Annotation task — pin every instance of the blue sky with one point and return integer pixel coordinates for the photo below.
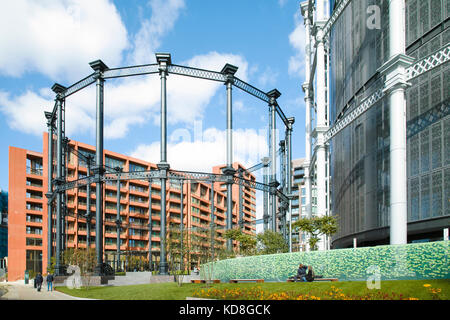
(50, 41)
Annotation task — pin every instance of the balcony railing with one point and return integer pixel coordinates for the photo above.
(35, 171)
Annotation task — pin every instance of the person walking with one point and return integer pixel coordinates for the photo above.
(49, 282)
(38, 281)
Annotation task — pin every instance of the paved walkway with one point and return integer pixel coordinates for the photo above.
(20, 291)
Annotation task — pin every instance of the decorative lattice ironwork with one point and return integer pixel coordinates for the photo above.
(421, 122)
(171, 175)
(131, 71)
(432, 61)
(250, 89)
(80, 85)
(196, 73)
(359, 110)
(133, 175)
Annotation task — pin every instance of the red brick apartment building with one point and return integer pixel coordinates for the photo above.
(28, 224)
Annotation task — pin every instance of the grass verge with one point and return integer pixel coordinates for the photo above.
(417, 289)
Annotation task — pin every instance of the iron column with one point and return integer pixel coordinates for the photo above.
(212, 223)
(229, 70)
(164, 60)
(273, 95)
(289, 174)
(265, 162)
(99, 68)
(283, 208)
(118, 220)
(88, 204)
(58, 89)
(150, 226)
(181, 223)
(241, 201)
(48, 115)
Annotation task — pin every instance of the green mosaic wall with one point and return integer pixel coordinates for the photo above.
(411, 261)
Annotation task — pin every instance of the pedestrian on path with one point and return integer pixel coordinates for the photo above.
(49, 280)
(38, 281)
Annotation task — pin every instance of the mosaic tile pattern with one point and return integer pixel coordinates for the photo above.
(411, 261)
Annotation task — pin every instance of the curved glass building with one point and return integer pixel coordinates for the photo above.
(359, 46)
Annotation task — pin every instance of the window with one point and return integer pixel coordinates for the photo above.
(34, 194)
(34, 230)
(34, 242)
(113, 163)
(137, 167)
(137, 188)
(134, 209)
(34, 260)
(34, 206)
(34, 182)
(34, 166)
(85, 154)
(34, 218)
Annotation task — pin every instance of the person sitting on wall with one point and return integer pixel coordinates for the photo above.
(310, 274)
(301, 273)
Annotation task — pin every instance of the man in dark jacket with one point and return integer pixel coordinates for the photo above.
(38, 281)
(49, 282)
(301, 273)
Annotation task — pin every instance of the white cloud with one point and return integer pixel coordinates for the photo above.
(297, 41)
(209, 150)
(128, 102)
(59, 38)
(148, 39)
(25, 113)
(282, 2)
(268, 78)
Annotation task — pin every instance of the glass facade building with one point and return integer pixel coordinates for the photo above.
(359, 46)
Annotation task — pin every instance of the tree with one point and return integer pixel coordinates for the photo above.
(315, 227)
(271, 242)
(247, 243)
(177, 251)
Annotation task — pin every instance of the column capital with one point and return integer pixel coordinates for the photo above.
(395, 71)
(98, 66)
(229, 71)
(59, 90)
(291, 121)
(163, 166)
(306, 11)
(229, 171)
(164, 60)
(49, 116)
(273, 95)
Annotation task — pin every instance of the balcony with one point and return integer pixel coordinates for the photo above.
(35, 171)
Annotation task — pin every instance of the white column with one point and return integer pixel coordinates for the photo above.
(320, 126)
(308, 104)
(395, 85)
(321, 122)
(397, 111)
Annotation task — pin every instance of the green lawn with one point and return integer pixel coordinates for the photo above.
(170, 291)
